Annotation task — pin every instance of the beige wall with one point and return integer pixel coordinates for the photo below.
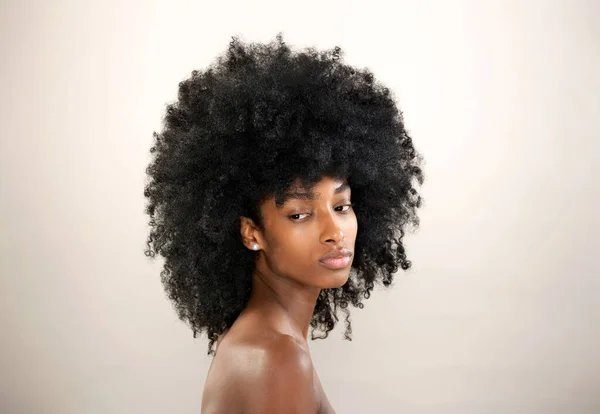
(501, 311)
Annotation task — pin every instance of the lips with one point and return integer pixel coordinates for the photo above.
(336, 254)
(336, 259)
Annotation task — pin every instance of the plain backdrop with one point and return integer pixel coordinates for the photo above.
(500, 312)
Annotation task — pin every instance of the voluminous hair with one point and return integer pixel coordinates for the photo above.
(245, 129)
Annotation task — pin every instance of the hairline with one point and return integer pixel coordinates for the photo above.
(299, 194)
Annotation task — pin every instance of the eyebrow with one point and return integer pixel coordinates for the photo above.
(309, 195)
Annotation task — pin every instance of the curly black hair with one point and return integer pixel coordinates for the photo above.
(245, 129)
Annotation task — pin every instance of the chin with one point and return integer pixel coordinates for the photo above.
(336, 279)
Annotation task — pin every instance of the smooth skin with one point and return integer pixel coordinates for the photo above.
(262, 363)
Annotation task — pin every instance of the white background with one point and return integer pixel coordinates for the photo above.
(500, 312)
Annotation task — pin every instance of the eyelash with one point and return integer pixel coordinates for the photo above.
(299, 214)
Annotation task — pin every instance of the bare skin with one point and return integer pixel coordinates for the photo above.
(262, 363)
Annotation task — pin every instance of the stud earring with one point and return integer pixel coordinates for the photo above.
(254, 246)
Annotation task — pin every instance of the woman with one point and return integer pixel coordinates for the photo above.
(279, 193)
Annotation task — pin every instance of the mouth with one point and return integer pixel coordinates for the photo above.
(336, 263)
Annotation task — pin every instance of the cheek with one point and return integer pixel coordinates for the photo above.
(292, 250)
(353, 227)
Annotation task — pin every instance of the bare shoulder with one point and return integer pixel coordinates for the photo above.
(292, 358)
(268, 374)
(285, 352)
(281, 381)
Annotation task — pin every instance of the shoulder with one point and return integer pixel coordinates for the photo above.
(285, 359)
(281, 361)
(278, 378)
(259, 369)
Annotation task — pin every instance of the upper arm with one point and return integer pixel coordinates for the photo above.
(282, 382)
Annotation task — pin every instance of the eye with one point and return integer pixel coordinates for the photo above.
(346, 205)
(298, 214)
(295, 217)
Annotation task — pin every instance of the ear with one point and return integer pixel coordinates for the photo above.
(249, 232)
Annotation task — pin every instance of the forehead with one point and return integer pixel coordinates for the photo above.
(302, 192)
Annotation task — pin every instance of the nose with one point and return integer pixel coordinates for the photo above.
(332, 232)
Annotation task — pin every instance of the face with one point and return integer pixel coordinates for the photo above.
(308, 226)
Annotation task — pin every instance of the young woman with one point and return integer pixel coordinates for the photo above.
(279, 193)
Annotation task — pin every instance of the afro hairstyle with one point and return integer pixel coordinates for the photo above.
(259, 118)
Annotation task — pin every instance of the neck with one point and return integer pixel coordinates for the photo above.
(287, 305)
